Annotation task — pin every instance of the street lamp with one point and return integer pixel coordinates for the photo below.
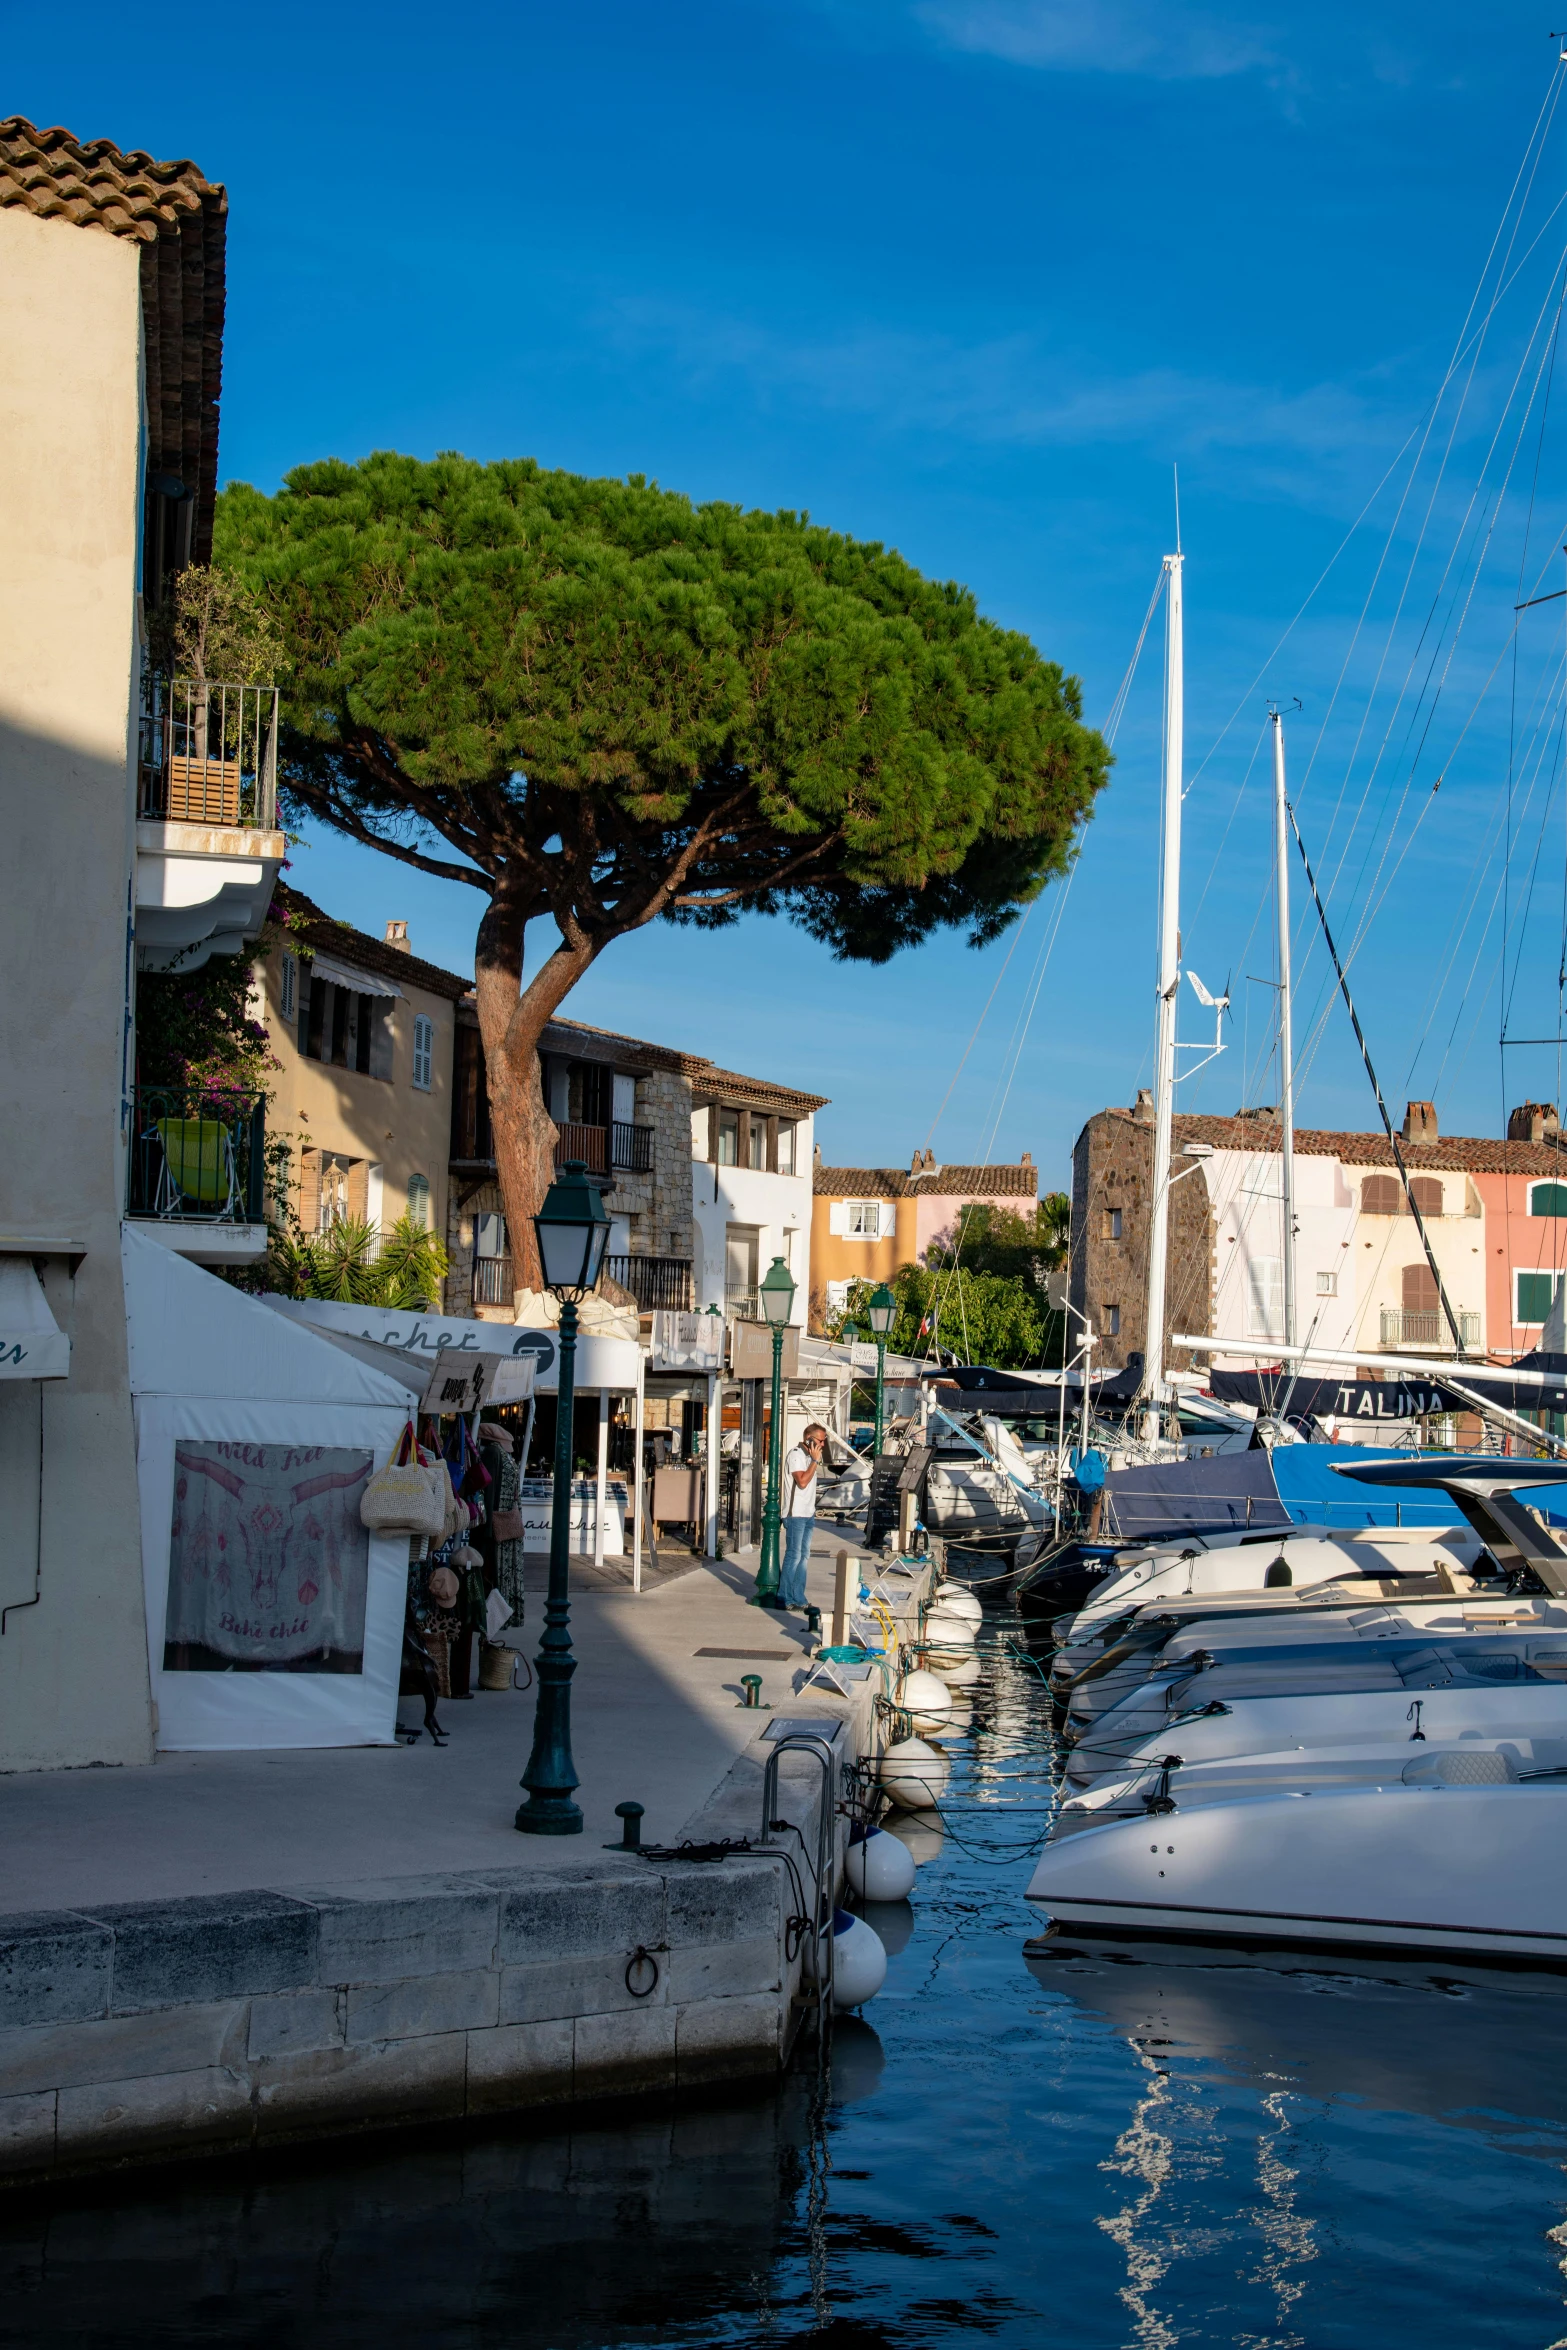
(573, 1232)
(881, 1311)
(777, 1301)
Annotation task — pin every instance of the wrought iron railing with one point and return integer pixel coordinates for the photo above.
(208, 753)
(660, 1285)
(631, 1147)
(493, 1281)
(197, 1157)
(1426, 1326)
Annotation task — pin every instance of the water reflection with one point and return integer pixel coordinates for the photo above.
(1107, 2148)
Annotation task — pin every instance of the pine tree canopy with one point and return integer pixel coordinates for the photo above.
(613, 704)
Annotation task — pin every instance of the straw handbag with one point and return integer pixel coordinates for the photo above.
(404, 1496)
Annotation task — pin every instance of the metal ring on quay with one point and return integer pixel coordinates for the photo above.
(641, 1956)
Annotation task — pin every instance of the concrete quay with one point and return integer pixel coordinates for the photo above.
(224, 1952)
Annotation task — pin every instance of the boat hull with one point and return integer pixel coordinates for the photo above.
(1452, 1871)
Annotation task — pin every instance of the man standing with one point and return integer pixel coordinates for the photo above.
(800, 1471)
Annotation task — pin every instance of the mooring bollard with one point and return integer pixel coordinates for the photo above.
(751, 1683)
(630, 1817)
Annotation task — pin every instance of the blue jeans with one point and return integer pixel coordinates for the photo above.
(797, 1534)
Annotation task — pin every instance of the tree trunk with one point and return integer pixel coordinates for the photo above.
(512, 1019)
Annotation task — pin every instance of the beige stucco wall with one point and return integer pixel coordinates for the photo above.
(384, 1121)
(73, 1670)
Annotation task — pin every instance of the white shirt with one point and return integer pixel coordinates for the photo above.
(800, 1500)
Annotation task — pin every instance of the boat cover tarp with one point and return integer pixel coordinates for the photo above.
(1171, 1498)
(1406, 1398)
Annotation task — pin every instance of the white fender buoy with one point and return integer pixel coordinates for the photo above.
(959, 1724)
(858, 2060)
(924, 1698)
(959, 1672)
(914, 1775)
(859, 1963)
(957, 1600)
(945, 1630)
(879, 1867)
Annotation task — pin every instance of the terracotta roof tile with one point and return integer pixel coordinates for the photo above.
(356, 947)
(1009, 1181)
(1474, 1154)
(179, 218)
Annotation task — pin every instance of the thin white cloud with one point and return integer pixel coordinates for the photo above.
(1167, 43)
(1014, 390)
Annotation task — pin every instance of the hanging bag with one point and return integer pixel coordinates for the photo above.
(402, 1496)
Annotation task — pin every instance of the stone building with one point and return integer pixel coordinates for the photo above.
(705, 1172)
(1112, 1179)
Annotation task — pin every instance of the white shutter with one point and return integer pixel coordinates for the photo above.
(623, 1100)
(838, 1218)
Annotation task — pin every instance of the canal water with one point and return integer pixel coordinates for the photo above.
(1091, 2151)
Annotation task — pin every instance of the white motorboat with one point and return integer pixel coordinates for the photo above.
(1147, 1790)
(1435, 1868)
(1159, 1665)
(1270, 1725)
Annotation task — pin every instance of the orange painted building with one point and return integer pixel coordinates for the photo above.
(866, 1222)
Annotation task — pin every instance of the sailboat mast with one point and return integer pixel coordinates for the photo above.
(1281, 892)
(1169, 984)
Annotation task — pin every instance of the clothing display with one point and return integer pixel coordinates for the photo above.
(268, 1559)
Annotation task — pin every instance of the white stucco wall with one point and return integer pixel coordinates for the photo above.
(778, 1207)
(73, 1670)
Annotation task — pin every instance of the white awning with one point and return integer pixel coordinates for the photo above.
(342, 975)
(32, 1344)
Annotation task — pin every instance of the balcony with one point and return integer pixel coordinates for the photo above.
(604, 1150)
(660, 1285)
(207, 845)
(208, 753)
(742, 1305)
(494, 1283)
(197, 1172)
(1426, 1330)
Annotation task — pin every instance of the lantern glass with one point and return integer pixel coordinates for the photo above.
(573, 1232)
(881, 1310)
(777, 1294)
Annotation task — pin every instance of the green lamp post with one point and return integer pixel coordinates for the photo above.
(881, 1311)
(573, 1232)
(777, 1301)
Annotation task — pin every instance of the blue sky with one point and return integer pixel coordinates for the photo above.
(971, 277)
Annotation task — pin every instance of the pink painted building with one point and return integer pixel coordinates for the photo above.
(1522, 1184)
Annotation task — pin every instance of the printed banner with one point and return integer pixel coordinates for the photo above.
(268, 1562)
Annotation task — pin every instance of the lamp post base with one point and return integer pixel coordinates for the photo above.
(549, 1815)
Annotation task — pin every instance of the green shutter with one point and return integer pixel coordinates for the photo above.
(1535, 1292)
(1548, 1199)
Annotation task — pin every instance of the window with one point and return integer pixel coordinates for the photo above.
(1112, 1315)
(1426, 1193)
(785, 1146)
(489, 1236)
(1380, 1195)
(288, 993)
(1265, 1298)
(1327, 1284)
(728, 1152)
(424, 1053)
(1111, 1229)
(419, 1201)
(1421, 1295)
(332, 1204)
(756, 1142)
(1548, 1199)
(1534, 1295)
(864, 1220)
(345, 1027)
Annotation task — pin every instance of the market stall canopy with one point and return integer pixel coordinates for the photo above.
(32, 1344)
(191, 1334)
(446, 1381)
(613, 1365)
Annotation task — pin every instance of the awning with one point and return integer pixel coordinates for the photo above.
(341, 975)
(32, 1344)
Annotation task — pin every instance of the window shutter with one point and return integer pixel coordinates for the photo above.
(1421, 1295)
(1426, 1193)
(1381, 1195)
(838, 1218)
